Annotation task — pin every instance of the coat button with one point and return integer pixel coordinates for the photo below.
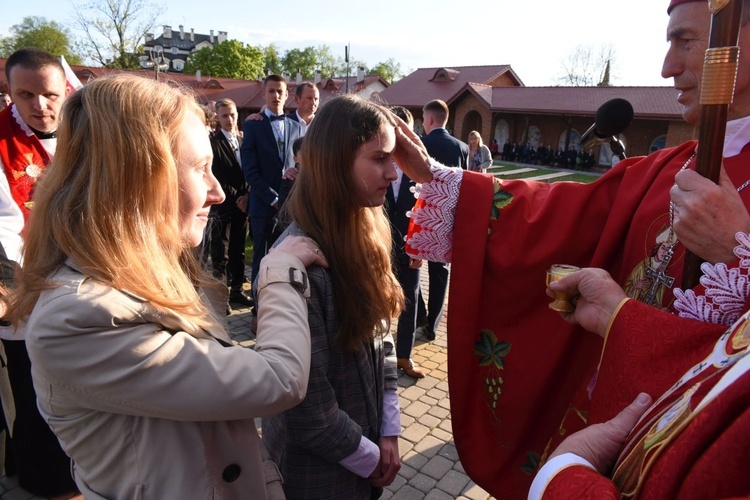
(231, 473)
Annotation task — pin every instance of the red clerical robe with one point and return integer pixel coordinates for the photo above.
(516, 370)
(23, 158)
(694, 442)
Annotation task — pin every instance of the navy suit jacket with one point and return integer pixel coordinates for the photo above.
(446, 149)
(261, 162)
(396, 211)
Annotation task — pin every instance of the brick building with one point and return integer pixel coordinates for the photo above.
(495, 102)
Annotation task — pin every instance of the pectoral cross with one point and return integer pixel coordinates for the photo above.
(659, 277)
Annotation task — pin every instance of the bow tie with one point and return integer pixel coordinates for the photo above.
(273, 118)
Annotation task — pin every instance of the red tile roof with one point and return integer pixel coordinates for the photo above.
(425, 84)
(648, 102)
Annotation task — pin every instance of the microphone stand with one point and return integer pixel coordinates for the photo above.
(617, 147)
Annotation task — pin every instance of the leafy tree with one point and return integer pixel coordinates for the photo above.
(390, 70)
(114, 30)
(585, 67)
(340, 68)
(326, 61)
(302, 60)
(229, 59)
(272, 59)
(40, 33)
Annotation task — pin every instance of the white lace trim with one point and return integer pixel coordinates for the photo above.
(727, 290)
(436, 218)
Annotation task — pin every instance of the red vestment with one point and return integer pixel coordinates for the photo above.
(23, 158)
(516, 370)
(694, 442)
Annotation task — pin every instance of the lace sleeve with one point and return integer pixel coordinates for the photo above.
(431, 229)
(727, 289)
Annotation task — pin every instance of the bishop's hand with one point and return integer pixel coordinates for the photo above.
(708, 215)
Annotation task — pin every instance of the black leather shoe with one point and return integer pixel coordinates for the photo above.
(429, 334)
(241, 298)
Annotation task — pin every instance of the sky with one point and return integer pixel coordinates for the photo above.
(533, 36)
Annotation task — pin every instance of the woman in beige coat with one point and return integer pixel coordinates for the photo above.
(133, 372)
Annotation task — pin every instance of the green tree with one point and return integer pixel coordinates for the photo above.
(390, 70)
(272, 59)
(326, 62)
(40, 33)
(114, 30)
(302, 60)
(228, 59)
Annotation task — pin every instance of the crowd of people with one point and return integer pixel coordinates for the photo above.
(125, 384)
(571, 158)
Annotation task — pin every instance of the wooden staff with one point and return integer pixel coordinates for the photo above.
(717, 92)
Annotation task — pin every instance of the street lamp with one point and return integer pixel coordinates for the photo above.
(154, 59)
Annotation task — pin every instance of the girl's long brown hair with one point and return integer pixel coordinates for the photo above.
(356, 240)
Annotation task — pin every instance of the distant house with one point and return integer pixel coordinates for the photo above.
(494, 101)
(178, 45)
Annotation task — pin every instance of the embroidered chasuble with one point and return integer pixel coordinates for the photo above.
(23, 158)
(516, 369)
(694, 442)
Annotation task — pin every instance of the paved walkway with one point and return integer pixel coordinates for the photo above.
(430, 468)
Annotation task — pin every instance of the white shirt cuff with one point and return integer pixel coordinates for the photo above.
(550, 469)
(363, 461)
(391, 425)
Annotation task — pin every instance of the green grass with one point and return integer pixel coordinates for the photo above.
(498, 166)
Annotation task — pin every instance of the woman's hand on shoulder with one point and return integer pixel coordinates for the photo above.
(304, 248)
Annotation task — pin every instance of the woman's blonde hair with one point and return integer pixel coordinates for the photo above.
(109, 200)
(476, 134)
(356, 240)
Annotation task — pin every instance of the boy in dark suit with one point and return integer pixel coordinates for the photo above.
(266, 155)
(452, 153)
(229, 219)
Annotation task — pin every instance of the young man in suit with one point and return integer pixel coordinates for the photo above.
(229, 219)
(266, 154)
(452, 153)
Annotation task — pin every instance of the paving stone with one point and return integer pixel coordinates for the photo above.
(412, 393)
(449, 451)
(473, 492)
(446, 426)
(415, 432)
(414, 459)
(406, 420)
(453, 483)
(398, 482)
(428, 382)
(416, 410)
(423, 482)
(439, 412)
(438, 495)
(429, 446)
(441, 434)
(428, 400)
(406, 472)
(437, 394)
(437, 467)
(429, 421)
(408, 493)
